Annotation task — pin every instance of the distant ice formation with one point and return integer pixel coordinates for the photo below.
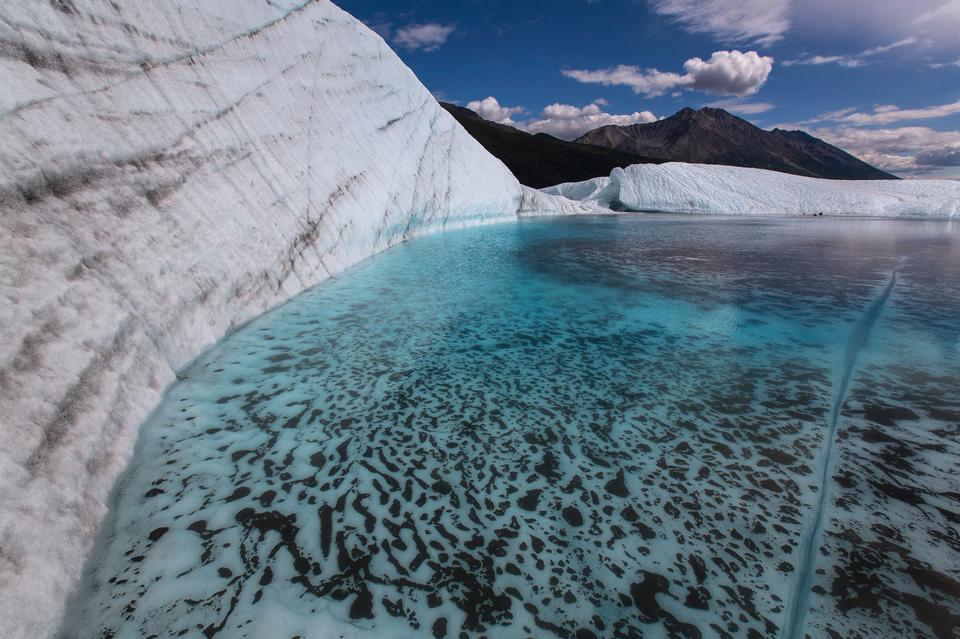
(677, 187)
(168, 171)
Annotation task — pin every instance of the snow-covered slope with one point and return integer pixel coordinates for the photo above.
(725, 190)
(168, 170)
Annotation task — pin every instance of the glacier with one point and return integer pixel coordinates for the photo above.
(169, 171)
(677, 187)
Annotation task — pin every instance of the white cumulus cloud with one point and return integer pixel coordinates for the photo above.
(428, 36)
(725, 73)
(729, 72)
(490, 109)
(569, 122)
(564, 121)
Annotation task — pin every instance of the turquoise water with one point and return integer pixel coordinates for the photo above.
(625, 426)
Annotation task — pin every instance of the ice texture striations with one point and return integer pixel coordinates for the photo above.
(169, 170)
(677, 187)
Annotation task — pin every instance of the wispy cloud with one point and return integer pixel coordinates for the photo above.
(886, 115)
(949, 11)
(725, 73)
(851, 61)
(734, 21)
(940, 157)
(742, 107)
(764, 22)
(941, 65)
(428, 36)
(908, 150)
(935, 23)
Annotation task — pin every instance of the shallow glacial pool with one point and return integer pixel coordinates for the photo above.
(623, 426)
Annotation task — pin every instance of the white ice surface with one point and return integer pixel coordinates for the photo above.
(168, 170)
(677, 187)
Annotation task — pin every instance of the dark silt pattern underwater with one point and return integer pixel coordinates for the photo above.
(613, 426)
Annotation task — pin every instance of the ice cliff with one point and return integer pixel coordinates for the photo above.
(169, 170)
(676, 187)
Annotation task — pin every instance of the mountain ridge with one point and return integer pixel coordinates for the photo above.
(715, 136)
(538, 159)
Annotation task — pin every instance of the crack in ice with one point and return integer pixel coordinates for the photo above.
(859, 339)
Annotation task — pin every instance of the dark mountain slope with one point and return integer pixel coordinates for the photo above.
(542, 160)
(713, 136)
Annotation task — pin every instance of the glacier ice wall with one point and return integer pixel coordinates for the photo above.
(677, 187)
(168, 170)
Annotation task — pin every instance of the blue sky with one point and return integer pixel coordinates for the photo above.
(880, 78)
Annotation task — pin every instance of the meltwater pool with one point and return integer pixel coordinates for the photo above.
(616, 426)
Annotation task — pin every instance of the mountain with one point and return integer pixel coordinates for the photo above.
(714, 136)
(540, 160)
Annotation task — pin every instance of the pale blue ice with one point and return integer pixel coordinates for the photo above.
(617, 426)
